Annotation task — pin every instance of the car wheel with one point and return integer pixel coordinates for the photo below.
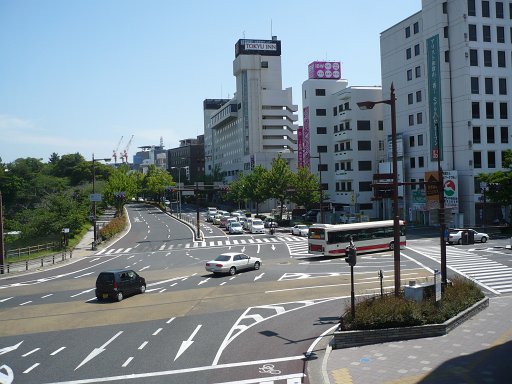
(484, 239)
(257, 265)
(98, 297)
(119, 296)
(232, 271)
(459, 241)
(143, 288)
(391, 246)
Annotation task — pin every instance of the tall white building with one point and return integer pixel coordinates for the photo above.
(340, 143)
(258, 123)
(451, 65)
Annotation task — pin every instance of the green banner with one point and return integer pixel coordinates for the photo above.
(434, 99)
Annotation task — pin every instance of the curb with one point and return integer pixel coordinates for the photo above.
(347, 339)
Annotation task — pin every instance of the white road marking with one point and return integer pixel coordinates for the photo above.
(143, 345)
(31, 368)
(57, 351)
(259, 276)
(100, 252)
(140, 270)
(96, 351)
(157, 331)
(127, 250)
(26, 302)
(31, 352)
(81, 293)
(10, 348)
(203, 281)
(119, 250)
(170, 320)
(258, 249)
(128, 360)
(110, 251)
(85, 274)
(7, 298)
(187, 343)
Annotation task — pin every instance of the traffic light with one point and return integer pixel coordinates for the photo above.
(351, 258)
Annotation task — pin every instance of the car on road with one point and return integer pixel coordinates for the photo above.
(210, 214)
(216, 219)
(247, 223)
(229, 221)
(232, 262)
(300, 230)
(455, 236)
(270, 222)
(119, 283)
(235, 227)
(257, 226)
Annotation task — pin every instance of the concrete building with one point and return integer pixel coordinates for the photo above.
(451, 65)
(340, 143)
(258, 123)
(186, 162)
(150, 155)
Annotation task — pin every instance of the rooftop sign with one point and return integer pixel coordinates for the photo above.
(258, 47)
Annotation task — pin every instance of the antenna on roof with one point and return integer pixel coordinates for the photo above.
(271, 29)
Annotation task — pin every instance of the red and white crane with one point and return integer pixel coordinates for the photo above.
(114, 155)
(124, 155)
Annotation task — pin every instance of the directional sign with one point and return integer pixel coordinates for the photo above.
(95, 197)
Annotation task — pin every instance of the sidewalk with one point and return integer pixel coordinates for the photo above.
(477, 351)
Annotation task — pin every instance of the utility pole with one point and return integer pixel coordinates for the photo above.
(2, 249)
(442, 222)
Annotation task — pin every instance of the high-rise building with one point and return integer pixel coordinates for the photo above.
(451, 66)
(258, 123)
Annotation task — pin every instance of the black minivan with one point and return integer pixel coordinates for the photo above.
(118, 283)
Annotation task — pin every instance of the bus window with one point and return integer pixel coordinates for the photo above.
(317, 233)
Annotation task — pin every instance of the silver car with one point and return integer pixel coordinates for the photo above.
(232, 262)
(455, 236)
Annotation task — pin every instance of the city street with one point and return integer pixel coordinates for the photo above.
(191, 326)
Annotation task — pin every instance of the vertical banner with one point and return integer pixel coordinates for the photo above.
(434, 99)
(300, 151)
(305, 138)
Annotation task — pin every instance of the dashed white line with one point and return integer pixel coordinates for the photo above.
(26, 302)
(31, 368)
(31, 352)
(128, 360)
(57, 351)
(157, 331)
(170, 320)
(143, 345)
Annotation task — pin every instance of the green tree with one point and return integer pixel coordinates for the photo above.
(156, 180)
(120, 187)
(236, 192)
(280, 179)
(256, 186)
(306, 188)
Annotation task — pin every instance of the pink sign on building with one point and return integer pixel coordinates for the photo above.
(324, 70)
(300, 150)
(305, 138)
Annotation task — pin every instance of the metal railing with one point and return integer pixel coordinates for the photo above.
(37, 262)
(28, 251)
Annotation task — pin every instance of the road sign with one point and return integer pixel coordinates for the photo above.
(95, 197)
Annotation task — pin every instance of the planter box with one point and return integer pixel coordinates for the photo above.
(347, 339)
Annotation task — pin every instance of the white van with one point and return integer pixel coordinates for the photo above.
(257, 226)
(210, 214)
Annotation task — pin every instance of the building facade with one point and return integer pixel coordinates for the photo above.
(450, 64)
(258, 123)
(186, 163)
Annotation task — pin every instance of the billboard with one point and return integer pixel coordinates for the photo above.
(450, 189)
(300, 147)
(305, 138)
(434, 99)
(324, 70)
(258, 47)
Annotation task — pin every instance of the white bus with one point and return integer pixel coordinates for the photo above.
(331, 240)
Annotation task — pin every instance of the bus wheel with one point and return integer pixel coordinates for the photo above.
(391, 246)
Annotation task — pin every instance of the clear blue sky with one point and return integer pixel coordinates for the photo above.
(76, 75)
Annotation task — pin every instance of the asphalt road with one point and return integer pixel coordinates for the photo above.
(191, 326)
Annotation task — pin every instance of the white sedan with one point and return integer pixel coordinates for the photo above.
(300, 230)
(235, 227)
(232, 262)
(455, 236)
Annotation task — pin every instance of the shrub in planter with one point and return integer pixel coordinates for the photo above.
(112, 228)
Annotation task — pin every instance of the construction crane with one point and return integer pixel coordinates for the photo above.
(125, 152)
(114, 155)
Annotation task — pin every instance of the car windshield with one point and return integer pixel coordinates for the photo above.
(302, 226)
(223, 258)
(257, 222)
(236, 225)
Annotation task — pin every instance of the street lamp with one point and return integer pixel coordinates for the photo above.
(396, 218)
(94, 199)
(179, 188)
(319, 157)
(2, 251)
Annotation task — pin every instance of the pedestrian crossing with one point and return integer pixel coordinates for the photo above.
(301, 244)
(490, 274)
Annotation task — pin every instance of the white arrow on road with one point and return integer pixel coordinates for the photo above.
(187, 343)
(96, 351)
(259, 276)
(243, 248)
(11, 348)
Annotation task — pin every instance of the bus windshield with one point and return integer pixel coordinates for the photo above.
(316, 233)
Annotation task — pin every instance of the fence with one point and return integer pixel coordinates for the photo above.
(25, 265)
(28, 251)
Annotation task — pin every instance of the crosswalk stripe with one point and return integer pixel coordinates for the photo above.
(127, 250)
(162, 247)
(100, 252)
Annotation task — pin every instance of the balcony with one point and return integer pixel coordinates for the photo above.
(224, 116)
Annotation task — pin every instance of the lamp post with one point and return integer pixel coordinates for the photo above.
(441, 215)
(484, 188)
(179, 188)
(93, 198)
(396, 218)
(319, 157)
(2, 250)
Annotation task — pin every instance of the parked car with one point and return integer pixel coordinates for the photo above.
(235, 227)
(119, 283)
(257, 226)
(455, 236)
(300, 230)
(232, 262)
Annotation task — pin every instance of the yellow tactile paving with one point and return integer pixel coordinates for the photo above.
(341, 376)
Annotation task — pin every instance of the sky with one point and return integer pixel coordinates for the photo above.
(85, 75)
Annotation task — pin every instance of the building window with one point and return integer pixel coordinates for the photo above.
(445, 7)
(499, 10)
(407, 32)
(420, 140)
(416, 27)
(411, 120)
(364, 145)
(419, 118)
(504, 135)
(416, 50)
(475, 110)
(487, 58)
(489, 110)
(381, 125)
(491, 159)
(502, 84)
(365, 165)
(321, 112)
(500, 34)
(409, 74)
(321, 148)
(503, 111)
(323, 168)
(486, 9)
(334, 111)
(421, 162)
(445, 32)
(320, 92)
(473, 57)
(446, 56)
(381, 145)
(411, 141)
(264, 64)
(472, 32)
(488, 86)
(476, 135)
(471, 8)
(477, 159)
(501, 59)
(417, 71)
(486, 33)
(408, 54)
(321, 130)
(475, 87)
(363, 125)
(365, 186)
(412, 162)
(418, 96)
(410, 98)
(490, 135)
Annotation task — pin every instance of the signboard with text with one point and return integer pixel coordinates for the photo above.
(258, 47)
(434, 99)
(330, 70)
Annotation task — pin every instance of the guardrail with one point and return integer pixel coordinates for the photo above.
(25, 265)
(27, 251)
